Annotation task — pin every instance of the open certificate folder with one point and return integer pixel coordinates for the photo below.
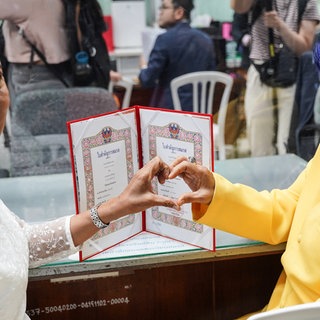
(108, 149)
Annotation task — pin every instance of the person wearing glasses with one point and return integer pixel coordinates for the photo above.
(180, 50)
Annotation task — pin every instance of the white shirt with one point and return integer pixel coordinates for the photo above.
(22, 246)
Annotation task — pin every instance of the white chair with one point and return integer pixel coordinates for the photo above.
(307, 311)
(127, 84)
(204, 84)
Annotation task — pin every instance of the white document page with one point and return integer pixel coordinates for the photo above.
(169, 135)
(106, 158)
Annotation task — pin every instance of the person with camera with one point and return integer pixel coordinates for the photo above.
(42, 21)
(278, 28)
(38, 39)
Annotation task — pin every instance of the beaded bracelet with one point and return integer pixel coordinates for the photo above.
(95, 217)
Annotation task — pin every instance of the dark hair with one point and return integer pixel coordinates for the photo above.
(92, 6)
(187, 5)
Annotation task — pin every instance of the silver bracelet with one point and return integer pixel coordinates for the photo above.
(95, 217)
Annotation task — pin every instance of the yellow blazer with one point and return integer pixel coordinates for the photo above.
(291, 215)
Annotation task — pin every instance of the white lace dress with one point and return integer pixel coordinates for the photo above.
(24, 246)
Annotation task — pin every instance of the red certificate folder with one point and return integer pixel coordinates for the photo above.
(108, 149)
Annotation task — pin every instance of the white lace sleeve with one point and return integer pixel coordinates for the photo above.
(49, 241)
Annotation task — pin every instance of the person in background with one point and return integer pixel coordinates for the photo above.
(44, 24)
(24, 245)
(180, 50)
(262, 126)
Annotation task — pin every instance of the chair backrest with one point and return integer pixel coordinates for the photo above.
(307, 311)
(39, 139)
(203, 90)
(127, 84)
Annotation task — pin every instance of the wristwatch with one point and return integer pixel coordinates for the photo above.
(95, 217)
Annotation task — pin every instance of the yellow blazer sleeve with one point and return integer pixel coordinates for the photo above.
(241, 210)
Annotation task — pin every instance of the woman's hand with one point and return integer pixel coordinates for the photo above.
(198, 178)
(115, 76)
(139, 195)
(136, 197)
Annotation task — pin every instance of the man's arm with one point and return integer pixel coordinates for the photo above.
(241, 6)
(302, 41)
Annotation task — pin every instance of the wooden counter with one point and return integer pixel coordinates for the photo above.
(190, 285)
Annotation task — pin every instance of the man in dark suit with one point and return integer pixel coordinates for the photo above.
(180, 50)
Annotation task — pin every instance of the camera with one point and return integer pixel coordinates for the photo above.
(82, 68)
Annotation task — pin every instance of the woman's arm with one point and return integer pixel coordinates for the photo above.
(237, 208)
(56, 239)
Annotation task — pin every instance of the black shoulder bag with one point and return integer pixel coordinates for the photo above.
(84, 27)
(282, 67)
(280, 70)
